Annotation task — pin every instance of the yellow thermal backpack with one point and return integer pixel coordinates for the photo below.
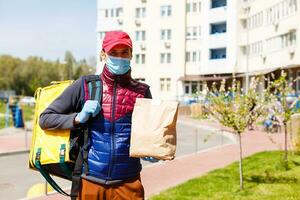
(55, 152)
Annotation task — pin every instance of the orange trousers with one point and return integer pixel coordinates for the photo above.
(129, 190)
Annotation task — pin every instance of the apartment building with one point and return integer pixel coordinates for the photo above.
(181, 45)
(268, 38)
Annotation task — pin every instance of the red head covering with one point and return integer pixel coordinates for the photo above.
(113, 38)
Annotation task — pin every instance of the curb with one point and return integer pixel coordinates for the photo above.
(14, 153)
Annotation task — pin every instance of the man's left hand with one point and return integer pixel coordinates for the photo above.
(150, 159)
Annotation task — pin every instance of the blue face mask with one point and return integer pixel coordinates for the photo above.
(117, 65)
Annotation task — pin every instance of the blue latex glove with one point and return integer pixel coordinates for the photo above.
(90, 108)
(150, 159)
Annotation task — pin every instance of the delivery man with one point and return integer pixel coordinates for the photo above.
(112, 174)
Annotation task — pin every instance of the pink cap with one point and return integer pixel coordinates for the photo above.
(113, 38)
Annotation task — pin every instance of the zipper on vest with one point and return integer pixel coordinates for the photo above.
(112, 130)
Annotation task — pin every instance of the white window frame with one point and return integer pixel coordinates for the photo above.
(140, 58)
(169, 58)
(189, 85)
(165, 84)
(165, 58)
(143, 80)
(166, 11)
(165, 34)
(140, 12)
(140, 35)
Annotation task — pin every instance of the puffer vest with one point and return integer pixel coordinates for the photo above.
(109, 132)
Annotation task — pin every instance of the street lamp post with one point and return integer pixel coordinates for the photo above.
(247, 48)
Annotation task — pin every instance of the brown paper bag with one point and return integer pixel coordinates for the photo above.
(153, 131)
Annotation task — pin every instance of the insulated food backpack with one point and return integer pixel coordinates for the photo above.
(61, 153)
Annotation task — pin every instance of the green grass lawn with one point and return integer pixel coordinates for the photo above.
(28, 112)
(2, 107)
(265, 177)
(2, 122)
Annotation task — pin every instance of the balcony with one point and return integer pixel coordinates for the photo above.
(218, 3)
(217, 66)
(217, 40)
(217, 14)
(218, 28)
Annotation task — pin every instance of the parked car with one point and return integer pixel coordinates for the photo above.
(27, 100)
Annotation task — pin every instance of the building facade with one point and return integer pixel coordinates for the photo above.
(181, 45)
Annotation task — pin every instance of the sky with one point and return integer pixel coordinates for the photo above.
(47, 28)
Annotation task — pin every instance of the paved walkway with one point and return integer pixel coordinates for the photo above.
(164, 175)
(15, 140)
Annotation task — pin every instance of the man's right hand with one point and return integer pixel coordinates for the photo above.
(90, 108)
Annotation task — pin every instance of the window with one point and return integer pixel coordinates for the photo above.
(141, 79)
(280, 10)
(192, 56)
(113, 12)
(188, 7)
(165, 84)
(218, 3)
(194, 87)
(255, 48)
(218, 53)
(165, 58)
(255, 20)
(101, 34)
(288, 39)
(218, 28)
(165, 11)
(119, 11)
(140, 58)
(193, 6)
(188, 57)
(186, 89)
(191, 87)
(165, 34)
(193, 32)
(168, 58)
(281, 41)
(140, 12)
(140, 35)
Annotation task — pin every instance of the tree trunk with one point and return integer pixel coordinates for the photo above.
(241, 162)
(285, 143)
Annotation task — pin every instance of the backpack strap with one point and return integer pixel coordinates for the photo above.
(46, 175)
(93, 88)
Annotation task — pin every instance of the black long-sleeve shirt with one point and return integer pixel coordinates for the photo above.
(60, 114)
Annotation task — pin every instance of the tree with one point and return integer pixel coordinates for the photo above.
(279, 90)
(82, 68)
(8, 65)
(25, 76)
(235, 110)
(69, 65)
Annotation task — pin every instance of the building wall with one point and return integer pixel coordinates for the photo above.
(249, 49)
(266, 53)
(153, 70)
